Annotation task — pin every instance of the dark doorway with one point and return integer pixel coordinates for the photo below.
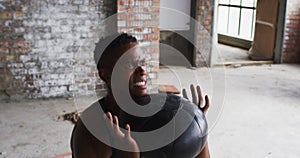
(177, 32)
(175, 49)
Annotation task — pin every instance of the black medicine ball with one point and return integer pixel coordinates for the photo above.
(188, 127)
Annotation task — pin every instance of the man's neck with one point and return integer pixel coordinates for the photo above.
(115, 108)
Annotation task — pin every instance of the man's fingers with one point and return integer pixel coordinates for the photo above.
(200, 96)
(194, 98)
(109, 122)
(116, 121)
(207, 104)
(184, 94)
(109, 116)
(106, 119)
(127, 133)
(203, 103)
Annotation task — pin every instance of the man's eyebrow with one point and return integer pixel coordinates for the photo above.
(138, 58)
(131, 60)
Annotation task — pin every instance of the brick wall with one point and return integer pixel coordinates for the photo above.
(291, 48)
(204, 16)
(46, 46)
(141, 19)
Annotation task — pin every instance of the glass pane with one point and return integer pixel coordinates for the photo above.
(246, 23)
(248, 3)
(223, 1)
(235, 2)
(223, 19)
(254, 20)
(255, 3)
(234, 16)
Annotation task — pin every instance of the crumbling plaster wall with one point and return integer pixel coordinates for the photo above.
(46, 47)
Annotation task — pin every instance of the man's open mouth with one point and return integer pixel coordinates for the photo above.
(140, 84)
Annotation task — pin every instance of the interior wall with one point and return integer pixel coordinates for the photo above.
(46, 47)
(141, 19)
(291, 46)
(204, 32)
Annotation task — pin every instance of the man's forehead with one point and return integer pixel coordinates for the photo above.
(128, 52)
(134, 52)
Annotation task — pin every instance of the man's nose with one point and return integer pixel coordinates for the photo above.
(141, 70)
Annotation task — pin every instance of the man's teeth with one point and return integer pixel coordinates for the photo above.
(140, 83)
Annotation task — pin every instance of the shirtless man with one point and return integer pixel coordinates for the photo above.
(84, 144)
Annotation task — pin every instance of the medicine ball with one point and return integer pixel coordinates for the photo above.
(188, 127)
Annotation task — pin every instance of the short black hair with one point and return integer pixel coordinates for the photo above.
(103, 48)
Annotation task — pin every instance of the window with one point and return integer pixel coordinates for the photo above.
(237, 18)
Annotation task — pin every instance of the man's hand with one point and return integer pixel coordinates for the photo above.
(123, 139)
(198, 99)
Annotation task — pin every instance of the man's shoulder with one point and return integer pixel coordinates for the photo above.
(93, 108)
(92, 118)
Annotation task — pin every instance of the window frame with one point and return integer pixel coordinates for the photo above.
(226, 35)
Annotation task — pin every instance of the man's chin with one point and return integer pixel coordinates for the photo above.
(139, 93)
(141, 99)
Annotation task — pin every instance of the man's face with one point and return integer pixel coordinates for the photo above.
(131, 68)
(138, 76)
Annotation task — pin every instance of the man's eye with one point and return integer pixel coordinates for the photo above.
(130, 66)
(143, 62)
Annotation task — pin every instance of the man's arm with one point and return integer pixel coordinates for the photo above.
(204, 153)
(85, 145)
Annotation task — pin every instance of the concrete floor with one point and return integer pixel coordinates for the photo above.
(231, 54)
(234, 56)
(260, 114)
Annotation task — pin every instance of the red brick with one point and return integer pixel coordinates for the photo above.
(10, 57)
(292, 34)
(102, 86)
(5, 15)
(130, 9)
(4, 85)
(156, 30)
(155, 43)
(18, 8)
(139, 29)
(130, 2)
(21, 43)
(91, 87)
(2, 79)
(150, 37)
(3, 44)
(156, 4)
(121, 2)
(10, 43)
(2, 59)
(4, 50)
(19, 15)
(155, 16)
